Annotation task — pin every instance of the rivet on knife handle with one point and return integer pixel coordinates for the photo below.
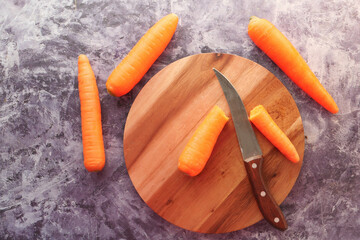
(267, 205)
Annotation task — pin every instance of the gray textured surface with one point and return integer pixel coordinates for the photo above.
(45, 192)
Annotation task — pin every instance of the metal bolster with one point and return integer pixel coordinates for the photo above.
(253, 158)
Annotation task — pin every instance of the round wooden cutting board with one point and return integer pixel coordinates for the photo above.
(164, 116)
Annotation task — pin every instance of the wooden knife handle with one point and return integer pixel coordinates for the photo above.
(267, 205)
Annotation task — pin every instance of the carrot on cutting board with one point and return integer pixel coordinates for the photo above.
(141, 57)
(270, 40)
(93, 145)
(266, 125)
(198, 150)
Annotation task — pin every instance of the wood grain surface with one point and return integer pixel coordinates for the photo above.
(166, 113)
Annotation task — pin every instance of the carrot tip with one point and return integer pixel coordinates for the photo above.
(253, 18)
(335, 109)
(110, 92)
(83, 57)
(256, 111)
(173, 14)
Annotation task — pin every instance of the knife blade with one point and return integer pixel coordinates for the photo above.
(252, 154)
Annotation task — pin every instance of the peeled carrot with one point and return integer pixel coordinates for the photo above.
(199, 148)
(134, 66)
(93, 145)
(266, 125)
(270, 40)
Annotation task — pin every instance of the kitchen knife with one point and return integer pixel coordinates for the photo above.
(252, 154)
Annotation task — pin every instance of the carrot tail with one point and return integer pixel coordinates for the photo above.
(199, 148)
(93, 145)
(266, 125)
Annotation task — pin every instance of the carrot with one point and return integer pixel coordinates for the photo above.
(270, 40)
(266, 125)
(134, 66)
(93, 145)
(198, 150)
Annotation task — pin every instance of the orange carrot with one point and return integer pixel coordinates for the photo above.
(134, 66)
(270, 40)
(93, 145)
(266, 125)
(198, 150)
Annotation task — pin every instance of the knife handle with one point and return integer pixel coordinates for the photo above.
(267, 205)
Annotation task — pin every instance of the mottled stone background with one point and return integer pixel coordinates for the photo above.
(45, 191)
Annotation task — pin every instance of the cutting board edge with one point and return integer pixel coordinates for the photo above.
(129, 115)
